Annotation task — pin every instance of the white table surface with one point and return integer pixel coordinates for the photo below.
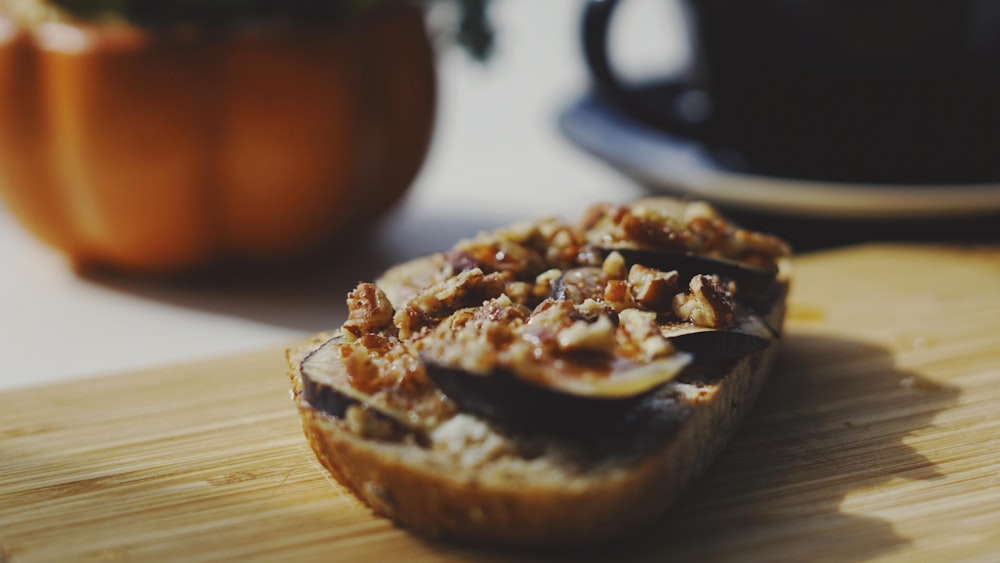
(497, 157)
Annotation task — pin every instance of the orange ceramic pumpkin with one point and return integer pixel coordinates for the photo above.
(157, 152)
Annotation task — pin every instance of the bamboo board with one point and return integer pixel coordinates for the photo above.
(877, 437)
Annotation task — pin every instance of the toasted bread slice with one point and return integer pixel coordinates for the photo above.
(466, 474)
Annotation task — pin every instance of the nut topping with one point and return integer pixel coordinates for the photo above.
(369, 311)
(653, 289)
(596, 312)
(582, 336)
(708, 304)
(468, 288)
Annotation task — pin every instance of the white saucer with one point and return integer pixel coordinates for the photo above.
(680, 166)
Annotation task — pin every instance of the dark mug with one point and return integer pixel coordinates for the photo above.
(881, 91)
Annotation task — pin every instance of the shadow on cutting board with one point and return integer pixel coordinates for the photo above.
(831, 422)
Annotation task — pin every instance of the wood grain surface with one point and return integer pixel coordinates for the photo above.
(877, 438)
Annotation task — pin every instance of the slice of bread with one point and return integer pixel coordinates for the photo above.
(470, 477)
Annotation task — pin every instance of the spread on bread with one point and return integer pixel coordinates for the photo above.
(572, 336)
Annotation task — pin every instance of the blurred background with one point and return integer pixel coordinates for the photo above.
(515, 136)
(496, 156)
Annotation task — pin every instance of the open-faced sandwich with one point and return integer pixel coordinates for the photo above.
(546, 384)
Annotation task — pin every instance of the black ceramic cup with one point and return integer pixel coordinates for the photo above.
(881, 91)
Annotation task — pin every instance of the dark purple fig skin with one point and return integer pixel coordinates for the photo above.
(325, 398)
(718, 346)
(322, 396)
(504, 398)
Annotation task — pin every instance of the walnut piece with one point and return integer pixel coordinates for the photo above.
(694, 227)
(583, 336)
(758, 249)
(369, 311)
(618, 295)
(467, 289)
(708, 304)
(614, 266)
(472, 337)
(640, 335)
(653, 289)
(509, 250)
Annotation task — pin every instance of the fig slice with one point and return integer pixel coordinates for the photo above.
(566, 396)
(754, 283)
(327, 386)
(558, 397)
(325, 381)
(712, 346)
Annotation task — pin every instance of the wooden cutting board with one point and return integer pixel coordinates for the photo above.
(878, 437)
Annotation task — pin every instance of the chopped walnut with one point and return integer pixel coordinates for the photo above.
(618, 295)
(653, 289)
(680, 227)
(590, 309)
(458, 261)
(700, 210)
(579, 284)
(467, 289)
(497, 252)
(542, 327)
(562, 244)
(757, 249)
(472, 337)
(548, 277)
(708, 304)
(376, 362)
(554, 314)
(639, 334)
(650, 229)
(706, 236)
(522, 233)
(590, 256)
(503, 310)
(530, 294)
(521, 292)
(583, 336)
(369, 311)
(614, 266)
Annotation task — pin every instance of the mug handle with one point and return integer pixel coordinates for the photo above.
(596, 24)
